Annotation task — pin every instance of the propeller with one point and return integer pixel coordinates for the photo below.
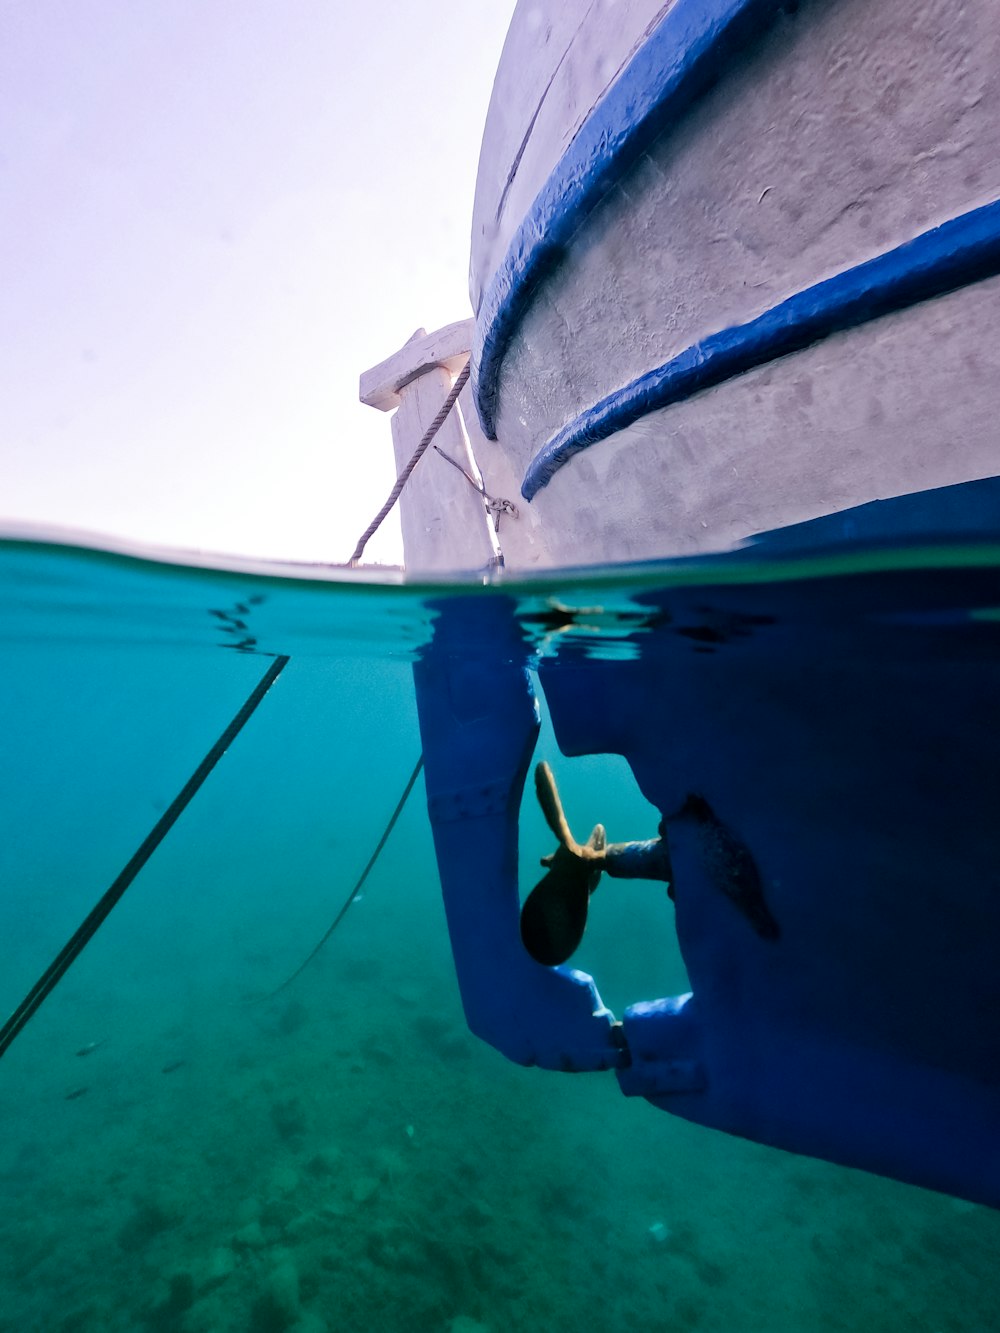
(554, 915)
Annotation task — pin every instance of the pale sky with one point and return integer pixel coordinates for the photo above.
(214, 214)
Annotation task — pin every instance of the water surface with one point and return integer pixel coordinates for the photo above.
(184, 1150)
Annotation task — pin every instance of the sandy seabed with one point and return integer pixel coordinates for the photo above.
(346, 1157)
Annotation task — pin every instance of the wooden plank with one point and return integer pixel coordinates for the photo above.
(447, 347)
(444, 522)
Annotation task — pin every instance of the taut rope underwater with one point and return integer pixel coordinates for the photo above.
(98, 914)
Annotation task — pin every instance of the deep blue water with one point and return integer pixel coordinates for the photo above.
(343, 1155)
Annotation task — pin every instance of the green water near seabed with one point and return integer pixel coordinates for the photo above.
(344, 1155)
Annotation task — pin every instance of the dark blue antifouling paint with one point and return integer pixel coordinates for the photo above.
(964, 250)
(856, 768)
(678, 62)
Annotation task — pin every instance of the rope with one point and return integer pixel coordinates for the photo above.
(418, 453)
(359, 885)
(495, 506)
(100, 912)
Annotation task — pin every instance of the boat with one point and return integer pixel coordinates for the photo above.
(776, 688)
(735, 268)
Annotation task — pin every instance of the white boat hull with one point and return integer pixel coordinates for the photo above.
(839, 162)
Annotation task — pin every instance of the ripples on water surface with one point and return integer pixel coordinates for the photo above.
(180, 1152)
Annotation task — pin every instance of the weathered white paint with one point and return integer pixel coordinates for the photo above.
(557, 61)
(851, 128)
(899, 405)
(443, 520)
(447, 347)
(522, 540)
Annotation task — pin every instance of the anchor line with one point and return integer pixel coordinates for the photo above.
(418, 453)
(352, 896)
(98, 914)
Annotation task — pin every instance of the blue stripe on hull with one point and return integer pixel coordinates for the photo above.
(687, 52)
(961, 251)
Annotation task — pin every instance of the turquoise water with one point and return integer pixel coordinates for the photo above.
(343, 1155)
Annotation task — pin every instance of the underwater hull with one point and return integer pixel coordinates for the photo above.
(734, 266)
(841, 731)
(736, 269)
(846, 737)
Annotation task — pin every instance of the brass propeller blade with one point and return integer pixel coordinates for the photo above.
(548, 799)
(554, 915)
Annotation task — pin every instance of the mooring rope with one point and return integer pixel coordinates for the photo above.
(418, 453)
(352, 896)
(98, 914)
(495, 506)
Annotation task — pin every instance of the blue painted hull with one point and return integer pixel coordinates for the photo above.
(752, 290)
(840, 717)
